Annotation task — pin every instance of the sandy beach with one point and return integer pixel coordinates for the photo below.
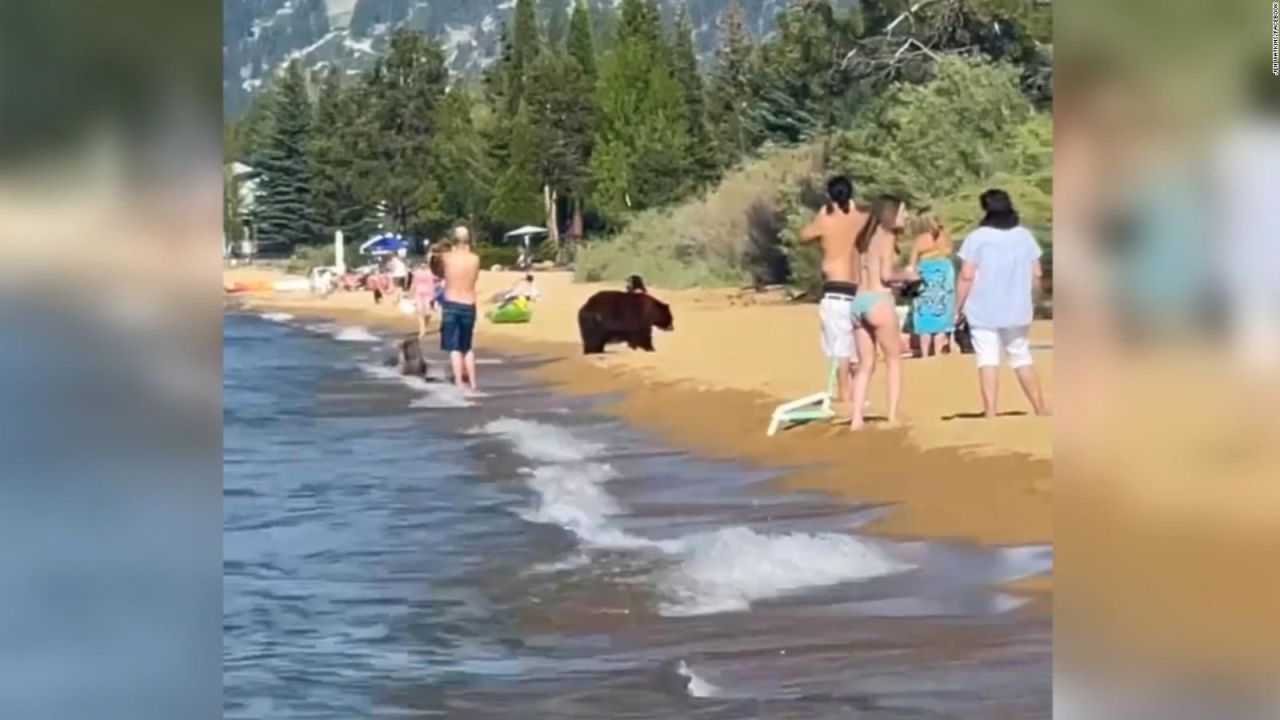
(733, 356)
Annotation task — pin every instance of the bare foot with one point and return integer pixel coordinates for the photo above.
(1044, 412)
(856, 424)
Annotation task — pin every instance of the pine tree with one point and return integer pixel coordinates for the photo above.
(799, 80)
(525, 46)
(640, 157)
(561, 117)
(604, 24)
(498, 77)
(557, 23)
(282, 207)
(337, 197)
(685, 62)
(401, 95)
(640, 20)
(517, 192)
(463, 169)
(582, 51)
(581, 45)
(729, 94)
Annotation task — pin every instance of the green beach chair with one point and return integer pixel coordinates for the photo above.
(808, 408)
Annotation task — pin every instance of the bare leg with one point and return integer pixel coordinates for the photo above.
(470, 361)
(1029, 379)
(422, 326)
(885, 321)
(988, 379)
(862, 376)
(844, 380)
(455, 362)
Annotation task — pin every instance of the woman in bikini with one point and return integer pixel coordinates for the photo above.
(873, 308)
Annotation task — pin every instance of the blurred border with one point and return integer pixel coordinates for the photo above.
(110, 310)
(1167, 152)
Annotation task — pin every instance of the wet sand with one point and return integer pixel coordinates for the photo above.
(712, 384)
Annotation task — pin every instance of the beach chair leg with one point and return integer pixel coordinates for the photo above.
(773, 426)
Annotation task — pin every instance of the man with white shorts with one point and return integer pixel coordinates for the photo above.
(835, 226)
(1000, 276)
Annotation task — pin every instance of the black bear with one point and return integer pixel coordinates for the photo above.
(612, 316)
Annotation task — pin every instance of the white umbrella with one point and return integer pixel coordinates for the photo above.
(527, 231)
(524, 234)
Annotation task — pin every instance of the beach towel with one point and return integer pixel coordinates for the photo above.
(933, 309)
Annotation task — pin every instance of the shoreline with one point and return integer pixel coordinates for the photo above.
(989, 493)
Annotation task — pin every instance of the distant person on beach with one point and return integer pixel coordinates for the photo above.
(458, 308)
(836, 226)
(998, 282)
(423, 288)
(525, 288)
(933, 310)
(873, 308)
(399, 271)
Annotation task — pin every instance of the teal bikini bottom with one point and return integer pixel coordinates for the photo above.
(864, 301)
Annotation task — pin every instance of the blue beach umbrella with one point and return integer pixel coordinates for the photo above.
(385, 244)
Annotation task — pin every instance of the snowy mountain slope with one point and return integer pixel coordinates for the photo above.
(260, 36)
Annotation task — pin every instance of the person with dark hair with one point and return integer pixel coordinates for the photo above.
(873, 309)
(835, 226)
(999, 277)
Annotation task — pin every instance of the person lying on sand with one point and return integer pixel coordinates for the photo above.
(458, 308)
(835, 226)
(524, 289)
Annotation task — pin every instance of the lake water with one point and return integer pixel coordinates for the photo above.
(393, 548)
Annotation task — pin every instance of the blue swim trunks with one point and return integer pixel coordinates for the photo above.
(457, 326)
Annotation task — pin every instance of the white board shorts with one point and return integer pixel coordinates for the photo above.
(836, 314)
(989, 342)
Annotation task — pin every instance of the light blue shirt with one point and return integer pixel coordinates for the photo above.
(1001, 292)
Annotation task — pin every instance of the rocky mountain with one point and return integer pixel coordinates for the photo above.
(261, 36)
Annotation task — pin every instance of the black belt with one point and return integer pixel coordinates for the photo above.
(837, 287)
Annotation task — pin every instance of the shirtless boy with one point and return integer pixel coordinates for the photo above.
(458, 307)
(836, 226)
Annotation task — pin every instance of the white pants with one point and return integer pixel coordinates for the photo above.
(836, 314)
(988, 342)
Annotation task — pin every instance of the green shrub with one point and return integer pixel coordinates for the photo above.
(306, 257)
(492, 254)
(730, 236)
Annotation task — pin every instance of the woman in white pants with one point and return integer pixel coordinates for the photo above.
(999, 277)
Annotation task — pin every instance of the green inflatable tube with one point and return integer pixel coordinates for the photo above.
(511, 313)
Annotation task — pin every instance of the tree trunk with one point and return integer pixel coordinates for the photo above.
(575, 228)
(552, 224)
(553, 229)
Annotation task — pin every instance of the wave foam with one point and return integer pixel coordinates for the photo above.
(697, 687)
(728, 569)
(355, 333)
(278, 317)
(442, 395)
(433, 395)
(541, 442)
(720, 571)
